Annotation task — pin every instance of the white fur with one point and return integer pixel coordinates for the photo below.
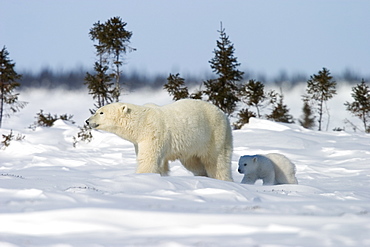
(271, 168)
(193, 131)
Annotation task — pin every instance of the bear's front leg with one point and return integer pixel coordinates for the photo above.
(249, 179)
(149, 160)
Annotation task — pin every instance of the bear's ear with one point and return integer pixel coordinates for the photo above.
(125, 109)
(255, 159)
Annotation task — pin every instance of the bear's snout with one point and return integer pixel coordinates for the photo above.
(91, 125)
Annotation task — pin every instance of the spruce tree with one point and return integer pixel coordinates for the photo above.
(8, 83)
(253, 94)
(321, 88)
(361, 105)
(96, 34)
(175, 86)
(280, 112)
(100, 86)
(113, 42)
(223, 91)
(308, 118)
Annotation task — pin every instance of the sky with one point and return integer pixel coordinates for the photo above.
(269, 37)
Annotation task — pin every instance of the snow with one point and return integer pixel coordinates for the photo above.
(52, 194)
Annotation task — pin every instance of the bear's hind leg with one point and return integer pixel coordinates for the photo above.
(269, 179)
(164, 168)
(218, 167)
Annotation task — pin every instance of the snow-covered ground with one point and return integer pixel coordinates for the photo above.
(52, 194)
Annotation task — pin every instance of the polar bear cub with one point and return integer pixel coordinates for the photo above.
(272, 168)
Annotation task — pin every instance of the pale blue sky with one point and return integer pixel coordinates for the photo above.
(179, 36)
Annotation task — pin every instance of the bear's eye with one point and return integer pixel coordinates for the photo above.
(101, 113)
(245, 164)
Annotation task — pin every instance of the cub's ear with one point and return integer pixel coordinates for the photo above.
(125, 109)
(255, 159)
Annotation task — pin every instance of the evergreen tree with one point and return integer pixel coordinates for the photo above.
(8, 83)
(223, 90)
(96, 34)
(321, 88)
(113, 41)
(99, 85)
(253, 94)
(175, 86)
(280, 112)
(308, 120)
(361, 105)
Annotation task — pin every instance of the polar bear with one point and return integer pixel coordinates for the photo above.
(272, 168)
(194, 131)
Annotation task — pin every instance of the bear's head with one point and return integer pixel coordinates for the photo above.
(108, 117)
(248, 164)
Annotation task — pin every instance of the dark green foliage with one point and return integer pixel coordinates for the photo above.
(321, 88)
(223, 90)
(8, 83)
(308, 118)
(67, 118)
(113, 42)
(175, 87)
(10, 137)
(243, 118)
(112, 36)
(196, 95)
(6, 139)
(253, 94)
(97, 34)
(100, 86)
(47, 120)
(221, 94)
(361, 105)
(280, 111)
(83, 135)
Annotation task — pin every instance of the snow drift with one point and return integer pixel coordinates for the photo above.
(52, 194)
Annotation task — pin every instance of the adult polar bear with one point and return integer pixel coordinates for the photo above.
(193, 131)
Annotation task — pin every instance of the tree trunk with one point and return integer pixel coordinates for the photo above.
(320, 113)
(258, 112)
(118, 89)
(1, 104)
(364, 120)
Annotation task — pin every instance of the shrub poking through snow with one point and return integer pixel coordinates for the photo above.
(244, 115)
(47, 120)
(84, 135)
(10, 137)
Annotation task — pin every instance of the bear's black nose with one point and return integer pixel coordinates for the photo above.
(87, 121)
(239, 171)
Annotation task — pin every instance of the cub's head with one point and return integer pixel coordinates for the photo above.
(248, 164)
(108, 116)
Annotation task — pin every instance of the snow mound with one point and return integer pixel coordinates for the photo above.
(52, 194)
(256, 123)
